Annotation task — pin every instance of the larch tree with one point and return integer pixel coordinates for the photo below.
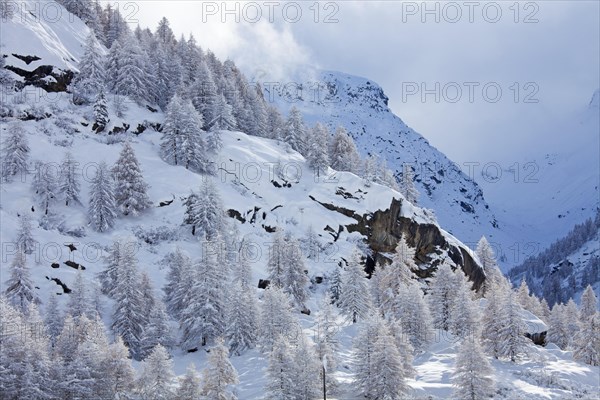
(342, 153)
(69, 184)
(44, 186)
(281, 371)
(511, 336)
(397, 275)
(587, 341)
(101, 117)
(131, 195)
(189, 385)
(558, 332)
(89, 82)
(473, 374)
(364, 353)
(407, 185)
(157, 330)
(219, 375)
(487, 258)
(25, 241)
(294, 131)
(20, 291)
(15, 152)
(589, 304)
(442, 296)
(355, 301)
(204, 211)
(242, 319)
(102, 207)
(276, 317)
(317, 149)
(327, 344)
(415, 318)
(389, 382)
(155, 381)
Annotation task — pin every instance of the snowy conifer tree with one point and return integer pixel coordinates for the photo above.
(589, 304)
(295, 281)
(281, 371)
(44, 186)
(308, 367)
(80, 303)
(405, 349)
(326, 331)
(157, 330)
(155, 381)
(274, 123)
(486, 256)
(294, 132)
(25, 241)
(130, 187)
(219, 376)
(69, 185)
(100, 112)
(222, 113)
(355, 301)
(15, 152)
(415, 318)
(129, 313)
(277, 259)
(53, 318)
(364, 353)
(317, 150)
(118, 372)
(19, 287)
(343, 154)
(558, 332)
(102, 207)
(108, 277)
(204, 211)
(90, 80)
(587, 341)
(127, 70)
(189, 385)
(407, 185)
(397, 275)
(214, 142)
(204, 92)
(182, 142)
(442, 296)
(335, 287)
(473, 373)
(389, 382)
(464, 312)
(276, 317)
(511, 335)
(242, 319)
(178, 281)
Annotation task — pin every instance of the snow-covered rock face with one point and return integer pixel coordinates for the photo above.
(361, 106)
(42, 43)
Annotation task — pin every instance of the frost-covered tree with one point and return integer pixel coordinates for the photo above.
(364, 346)
(317, 149)
(587, 341)
(222, 113)
(182, 142)
(119, 375)
(214, 142)
(102, 207)
(80, 303)
(571, 315)
(242, 319)
(155, 381)
(80, 8)
(558, 332)
(390, 380)
(294, 131)
(69, 185)
(101, 118)
(204, 211)
(276, 317)
(295, 281)
(464, 312)
(129, 314)
(157, 330)
(335, 285)
(307, 365)
(219, 376)
(108, 276)
(203, 317)
(404, 346)
(204, 92)
(473, 374)
(396, 275)
(89, 82)
(178, 281)
(442, 296)
(326, 330)
(342, 153)
(355, 301)
(127, 66)
(53, 317)
(407, 185)
(277, 259)
(281, 378)
(25, 241)
(274, 123)
(19, 287)
(512, 343)
(44, 185)
(415, 318)
(189, 386)
(589, 304)
(15, 152)
(487, 258)
(130, 188)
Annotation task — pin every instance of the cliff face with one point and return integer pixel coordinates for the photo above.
(384, 228)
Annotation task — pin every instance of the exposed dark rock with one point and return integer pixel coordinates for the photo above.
(59, 283)
(305, 311)
(384, 228)
(26, 59)
(47, 77)
(467, 207)
(269, 229)
(71, 247)
(263, 283)
(537, 338)
(237, 215)
(167, 202)
(55, 265)
(118, 129)
(74, 265)
(318, 279)
(151, 109)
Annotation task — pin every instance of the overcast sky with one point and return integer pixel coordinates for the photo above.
(545, 51)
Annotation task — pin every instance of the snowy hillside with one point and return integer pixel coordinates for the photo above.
(154, 220)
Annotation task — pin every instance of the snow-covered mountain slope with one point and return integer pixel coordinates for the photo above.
(556, 186)
(42, 43)
(361, 106)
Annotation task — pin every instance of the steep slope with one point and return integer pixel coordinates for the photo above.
(361, 106)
